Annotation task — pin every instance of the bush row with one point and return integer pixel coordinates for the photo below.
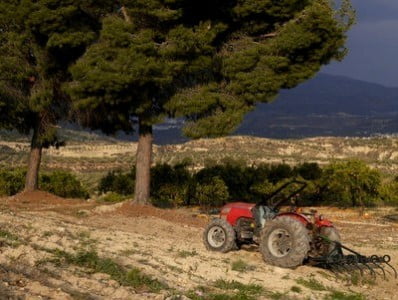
(350, 183)
(60, 183)
(344, 184)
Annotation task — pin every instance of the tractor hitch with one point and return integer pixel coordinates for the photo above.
(337, 261)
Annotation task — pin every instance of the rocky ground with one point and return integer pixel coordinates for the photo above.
(53, 248)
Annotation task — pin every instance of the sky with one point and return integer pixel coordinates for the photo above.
(372, 44)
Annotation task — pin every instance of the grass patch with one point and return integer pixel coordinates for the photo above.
(241, 266)
(112, 197)
(251, 289)
(311, 284)
(8, 235)
(277, 296)
(337, 295)
(90, 259)
(9, 238)
(185, 254)
(296, 289)
(234, 290)
(47, 233)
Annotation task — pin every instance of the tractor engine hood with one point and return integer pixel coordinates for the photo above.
(231, 212)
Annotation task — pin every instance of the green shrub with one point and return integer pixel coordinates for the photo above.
(118, 182)
(12, 181)
(308, 171)
(351, 183)
(112, 197)
(213, 193)
(279, 172)
(62, 184)
(389, 193)
(170, 185)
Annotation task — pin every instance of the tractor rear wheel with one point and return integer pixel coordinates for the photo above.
(219, 236)
(285, 242)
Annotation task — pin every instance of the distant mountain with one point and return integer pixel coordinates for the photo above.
(326, 105)
(323, 106)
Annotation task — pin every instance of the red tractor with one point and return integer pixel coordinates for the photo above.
(285, 239)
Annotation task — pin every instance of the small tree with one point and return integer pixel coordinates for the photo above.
(38, 41)
(213, 193)
(350, 183)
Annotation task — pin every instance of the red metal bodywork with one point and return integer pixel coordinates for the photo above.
(232, 212)
(301, 218)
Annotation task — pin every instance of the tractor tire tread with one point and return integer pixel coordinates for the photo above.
(301, 242)
(230, 241)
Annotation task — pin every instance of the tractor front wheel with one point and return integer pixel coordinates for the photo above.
(219, 236)
(285, 242)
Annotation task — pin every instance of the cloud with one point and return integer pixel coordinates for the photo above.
(376, 10)
(372, 54)
(372, 44)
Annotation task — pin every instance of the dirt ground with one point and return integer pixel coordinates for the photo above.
(165, 245)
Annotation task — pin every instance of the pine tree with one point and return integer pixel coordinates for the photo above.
(38, 42)
(209, 62)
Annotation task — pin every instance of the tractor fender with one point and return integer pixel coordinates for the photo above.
(302, 219)
(323, 223)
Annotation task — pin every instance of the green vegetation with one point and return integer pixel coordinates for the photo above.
(60, 183)
(241, 266)
(185, 253)
(96, 264)
(337, 295)
(312, 284)
(112, 197)
(9, 238)
(63, 184)
(8, 235)
(11, 181)
(118, 182)
(296, 289)
(345, 184)
(212, 193)
(350, 183)
(210, 66)
(39, 40)
(245, 291)
(353, 183)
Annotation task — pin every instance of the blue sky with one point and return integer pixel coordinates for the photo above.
(372, 43)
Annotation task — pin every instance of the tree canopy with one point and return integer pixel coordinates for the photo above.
(209, 61)
(38, 42)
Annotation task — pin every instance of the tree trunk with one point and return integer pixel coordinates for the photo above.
(143, 164)
(32, 175)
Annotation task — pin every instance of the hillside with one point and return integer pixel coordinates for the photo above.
(90, 157)
(326, 105)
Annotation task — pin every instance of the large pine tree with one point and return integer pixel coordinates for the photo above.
(207, 61)
(38, 41)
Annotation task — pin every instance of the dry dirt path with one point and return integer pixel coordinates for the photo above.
(40, 246)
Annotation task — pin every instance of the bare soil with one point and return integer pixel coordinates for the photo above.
(166, 245)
